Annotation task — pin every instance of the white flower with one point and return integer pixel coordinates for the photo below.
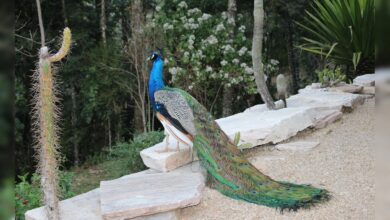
(166, 61)
(248, 70)
(236, 61)
(205, 16)
(167, 26)
(227, 48)
(174, 70)
(209, 69)
(242, 28)
(230, 21)
(243, 65)
(190, 87)
(226, 75)
(240, 78)
(192, 37)
(224, 62)
(186, 54)
(191, 20)
(212, 40)
(274, 62)
(182, 4)
(224, 15)
(158, 8)
(243, 38)
(220, 27)
(242, 51)
(183, 19)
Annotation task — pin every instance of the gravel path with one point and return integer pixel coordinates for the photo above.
(343, 163)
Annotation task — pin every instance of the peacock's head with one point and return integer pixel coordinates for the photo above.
(155, 55)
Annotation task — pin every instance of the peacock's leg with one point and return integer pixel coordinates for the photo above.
(178, 145)
(167, 141)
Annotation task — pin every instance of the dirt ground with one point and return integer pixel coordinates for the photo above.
(343, 163)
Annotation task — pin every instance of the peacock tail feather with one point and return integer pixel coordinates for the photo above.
(233, 175)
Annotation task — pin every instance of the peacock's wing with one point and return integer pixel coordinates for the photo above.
(172, 106)
(230, 172)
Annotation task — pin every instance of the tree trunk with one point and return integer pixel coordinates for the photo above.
(291, 58)
(228, 92)
(257, 46)
(138, 50)
(103, 25)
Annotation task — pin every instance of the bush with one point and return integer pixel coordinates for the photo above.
(131, 151)
(329, 77)
(28, 194)
(342, 31)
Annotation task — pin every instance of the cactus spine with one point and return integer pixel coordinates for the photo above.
(46, 114)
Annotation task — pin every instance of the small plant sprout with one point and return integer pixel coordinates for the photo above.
(46, 115)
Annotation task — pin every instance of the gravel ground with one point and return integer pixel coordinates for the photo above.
(343, 163)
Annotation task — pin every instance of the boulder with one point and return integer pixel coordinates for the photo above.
(297, 146)
(151, 193)
(365, 80)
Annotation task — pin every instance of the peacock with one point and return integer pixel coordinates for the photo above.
(228, 170)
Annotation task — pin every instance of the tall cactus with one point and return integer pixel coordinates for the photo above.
(46, 113)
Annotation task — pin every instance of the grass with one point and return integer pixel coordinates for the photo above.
(122, 160)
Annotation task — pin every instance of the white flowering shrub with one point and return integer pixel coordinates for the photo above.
(199, 52)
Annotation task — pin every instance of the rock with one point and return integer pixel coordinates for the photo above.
(151, 193)
(326, 117)
(315, 86)
(87, 207)
(347, 88)
(369, 90)
(298, 146)
(365, 80)
(257, 128)
(82, 207)
(166, 161)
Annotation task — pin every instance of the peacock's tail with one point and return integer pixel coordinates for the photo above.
(234, 176)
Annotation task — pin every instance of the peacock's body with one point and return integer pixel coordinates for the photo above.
(229, 171)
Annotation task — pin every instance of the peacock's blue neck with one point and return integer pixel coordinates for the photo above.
(156, 79)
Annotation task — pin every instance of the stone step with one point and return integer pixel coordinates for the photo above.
(151, 193)
(257, 125)
(365, 80)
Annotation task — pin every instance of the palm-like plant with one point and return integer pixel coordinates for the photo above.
(342, 31)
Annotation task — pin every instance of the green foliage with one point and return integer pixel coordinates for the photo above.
(342, 31)
(131, 151)
(201, 54)
(328, 77)
(124, 158)
(29, 196)
(7, 199)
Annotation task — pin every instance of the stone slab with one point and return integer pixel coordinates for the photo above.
(322, 119)
(365, 80)
(87, 207)
(347, 88)
(297, 146)
(152, 193)
(154, 157)
(369, 90)
(82, 207)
